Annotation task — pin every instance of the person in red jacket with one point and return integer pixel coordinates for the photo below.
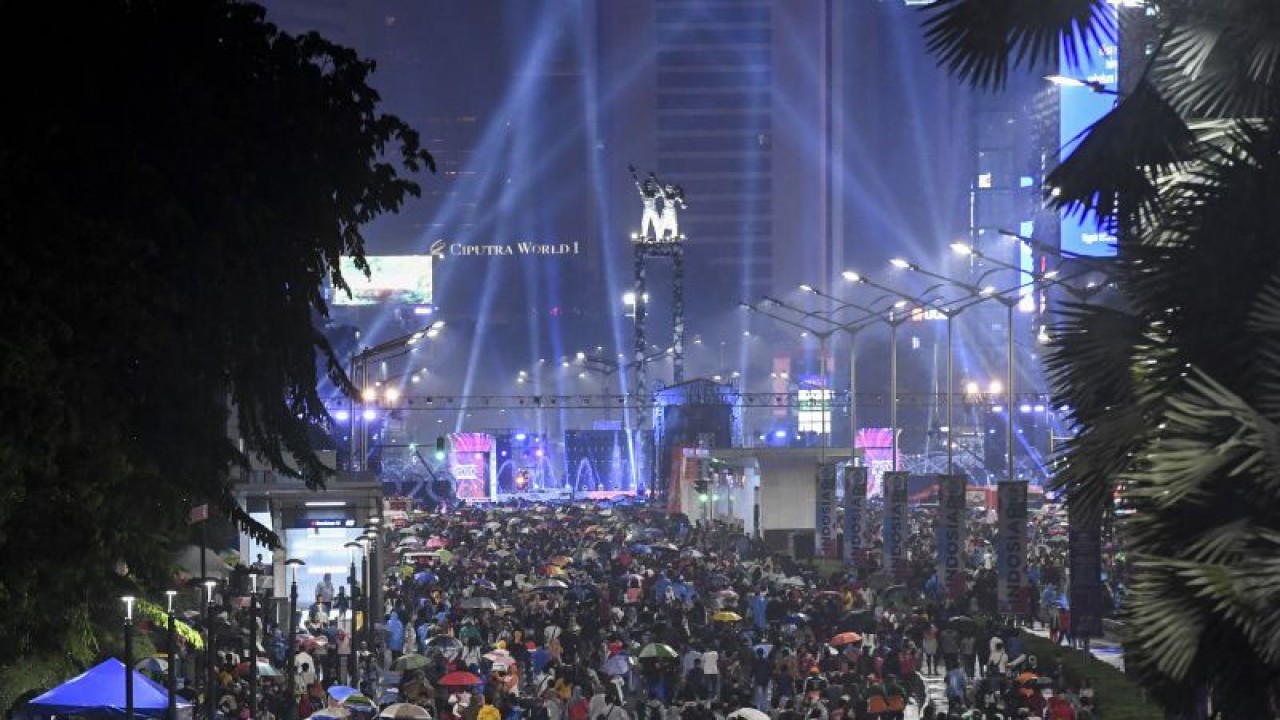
(1059, 708)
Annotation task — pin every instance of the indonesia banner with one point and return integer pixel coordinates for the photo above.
(895, 525)
(1084, 559)
(1012, 590)
(826, 544)
(951, 533)
(855, 515)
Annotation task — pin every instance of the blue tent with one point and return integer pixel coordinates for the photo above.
(99, 692)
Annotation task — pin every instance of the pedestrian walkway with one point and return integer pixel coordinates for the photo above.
(1108, 652)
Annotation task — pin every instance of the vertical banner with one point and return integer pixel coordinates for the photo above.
(1012, 589)
(895, 525)
(1084, 560)
(855, 515)
(951, 533)
(825, 542)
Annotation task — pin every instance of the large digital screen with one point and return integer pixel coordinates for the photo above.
(1081, 107)
(814, 411)
(393, 280)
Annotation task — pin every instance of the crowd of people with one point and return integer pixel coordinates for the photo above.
(599, 612)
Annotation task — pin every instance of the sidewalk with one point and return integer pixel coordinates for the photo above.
(1104, 650)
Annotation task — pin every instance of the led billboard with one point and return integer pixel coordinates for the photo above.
(393, 280)
(1080, 107)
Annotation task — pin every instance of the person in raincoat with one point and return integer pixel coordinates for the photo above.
(395, 635)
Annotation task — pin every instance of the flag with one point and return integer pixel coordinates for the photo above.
(199, 513)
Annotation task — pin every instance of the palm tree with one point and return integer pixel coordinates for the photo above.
(1175, 387)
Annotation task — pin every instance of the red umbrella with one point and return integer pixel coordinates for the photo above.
(459, 678)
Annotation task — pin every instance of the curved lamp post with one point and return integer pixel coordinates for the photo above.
(292, 637)
(128, 656)
(171, 679)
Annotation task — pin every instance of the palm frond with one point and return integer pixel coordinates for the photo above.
(980, 41)
(1122, 156)
(1222, 60)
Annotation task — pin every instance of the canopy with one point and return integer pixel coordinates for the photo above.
(99, 692)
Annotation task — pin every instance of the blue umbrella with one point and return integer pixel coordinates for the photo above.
(341, 692)
(617, 665)
(641, 549)
(797, 618)
(424, 577)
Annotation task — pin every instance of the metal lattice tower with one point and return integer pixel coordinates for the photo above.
(673, 249)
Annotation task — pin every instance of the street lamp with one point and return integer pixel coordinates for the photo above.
(173, 656)
(894, 321)
(128, 656)
(949, 312)
(352, 547)
(253, 643)
(853, 328)
(290, 675)
(210, 654)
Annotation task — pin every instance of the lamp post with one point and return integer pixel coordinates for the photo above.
(128, 656)
(853, 328)
(374, 585)
(949, 312)
(368, 394)
(352, 547)
(894, 321)
(173, 657)
(292, 637)
(253, 643)
(210, 656)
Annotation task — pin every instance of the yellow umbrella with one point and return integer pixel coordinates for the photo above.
(554, 571)
(561, 560)
(726, 616)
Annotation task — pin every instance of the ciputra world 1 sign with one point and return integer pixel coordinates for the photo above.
(443, 248)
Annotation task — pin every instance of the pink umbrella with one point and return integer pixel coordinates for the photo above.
(436, 542)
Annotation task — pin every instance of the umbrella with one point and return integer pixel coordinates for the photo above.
(641, 549)
(897, 596)
(797, 619)
(617, 665)
(458, 678)
(561, 560)
(341, 692)
(498, 656)
(554, 571)
(553, 584)
(436, 543)
(845, 638)
(265, 669)
(692, 553)
(152, 665)
(302, 657)
(356, 701)
(410, 542)
(657, 650)
(333, 713)
(717, 581)
(404, 711)
(410, 661)
(726, 616)
(665, 546)
(747, 714)
(446, 645)
(792, 582)
(963, 623)
(425, 578)
(478, 603)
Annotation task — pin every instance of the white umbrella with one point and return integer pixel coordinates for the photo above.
(747, 714)
(404, 711)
